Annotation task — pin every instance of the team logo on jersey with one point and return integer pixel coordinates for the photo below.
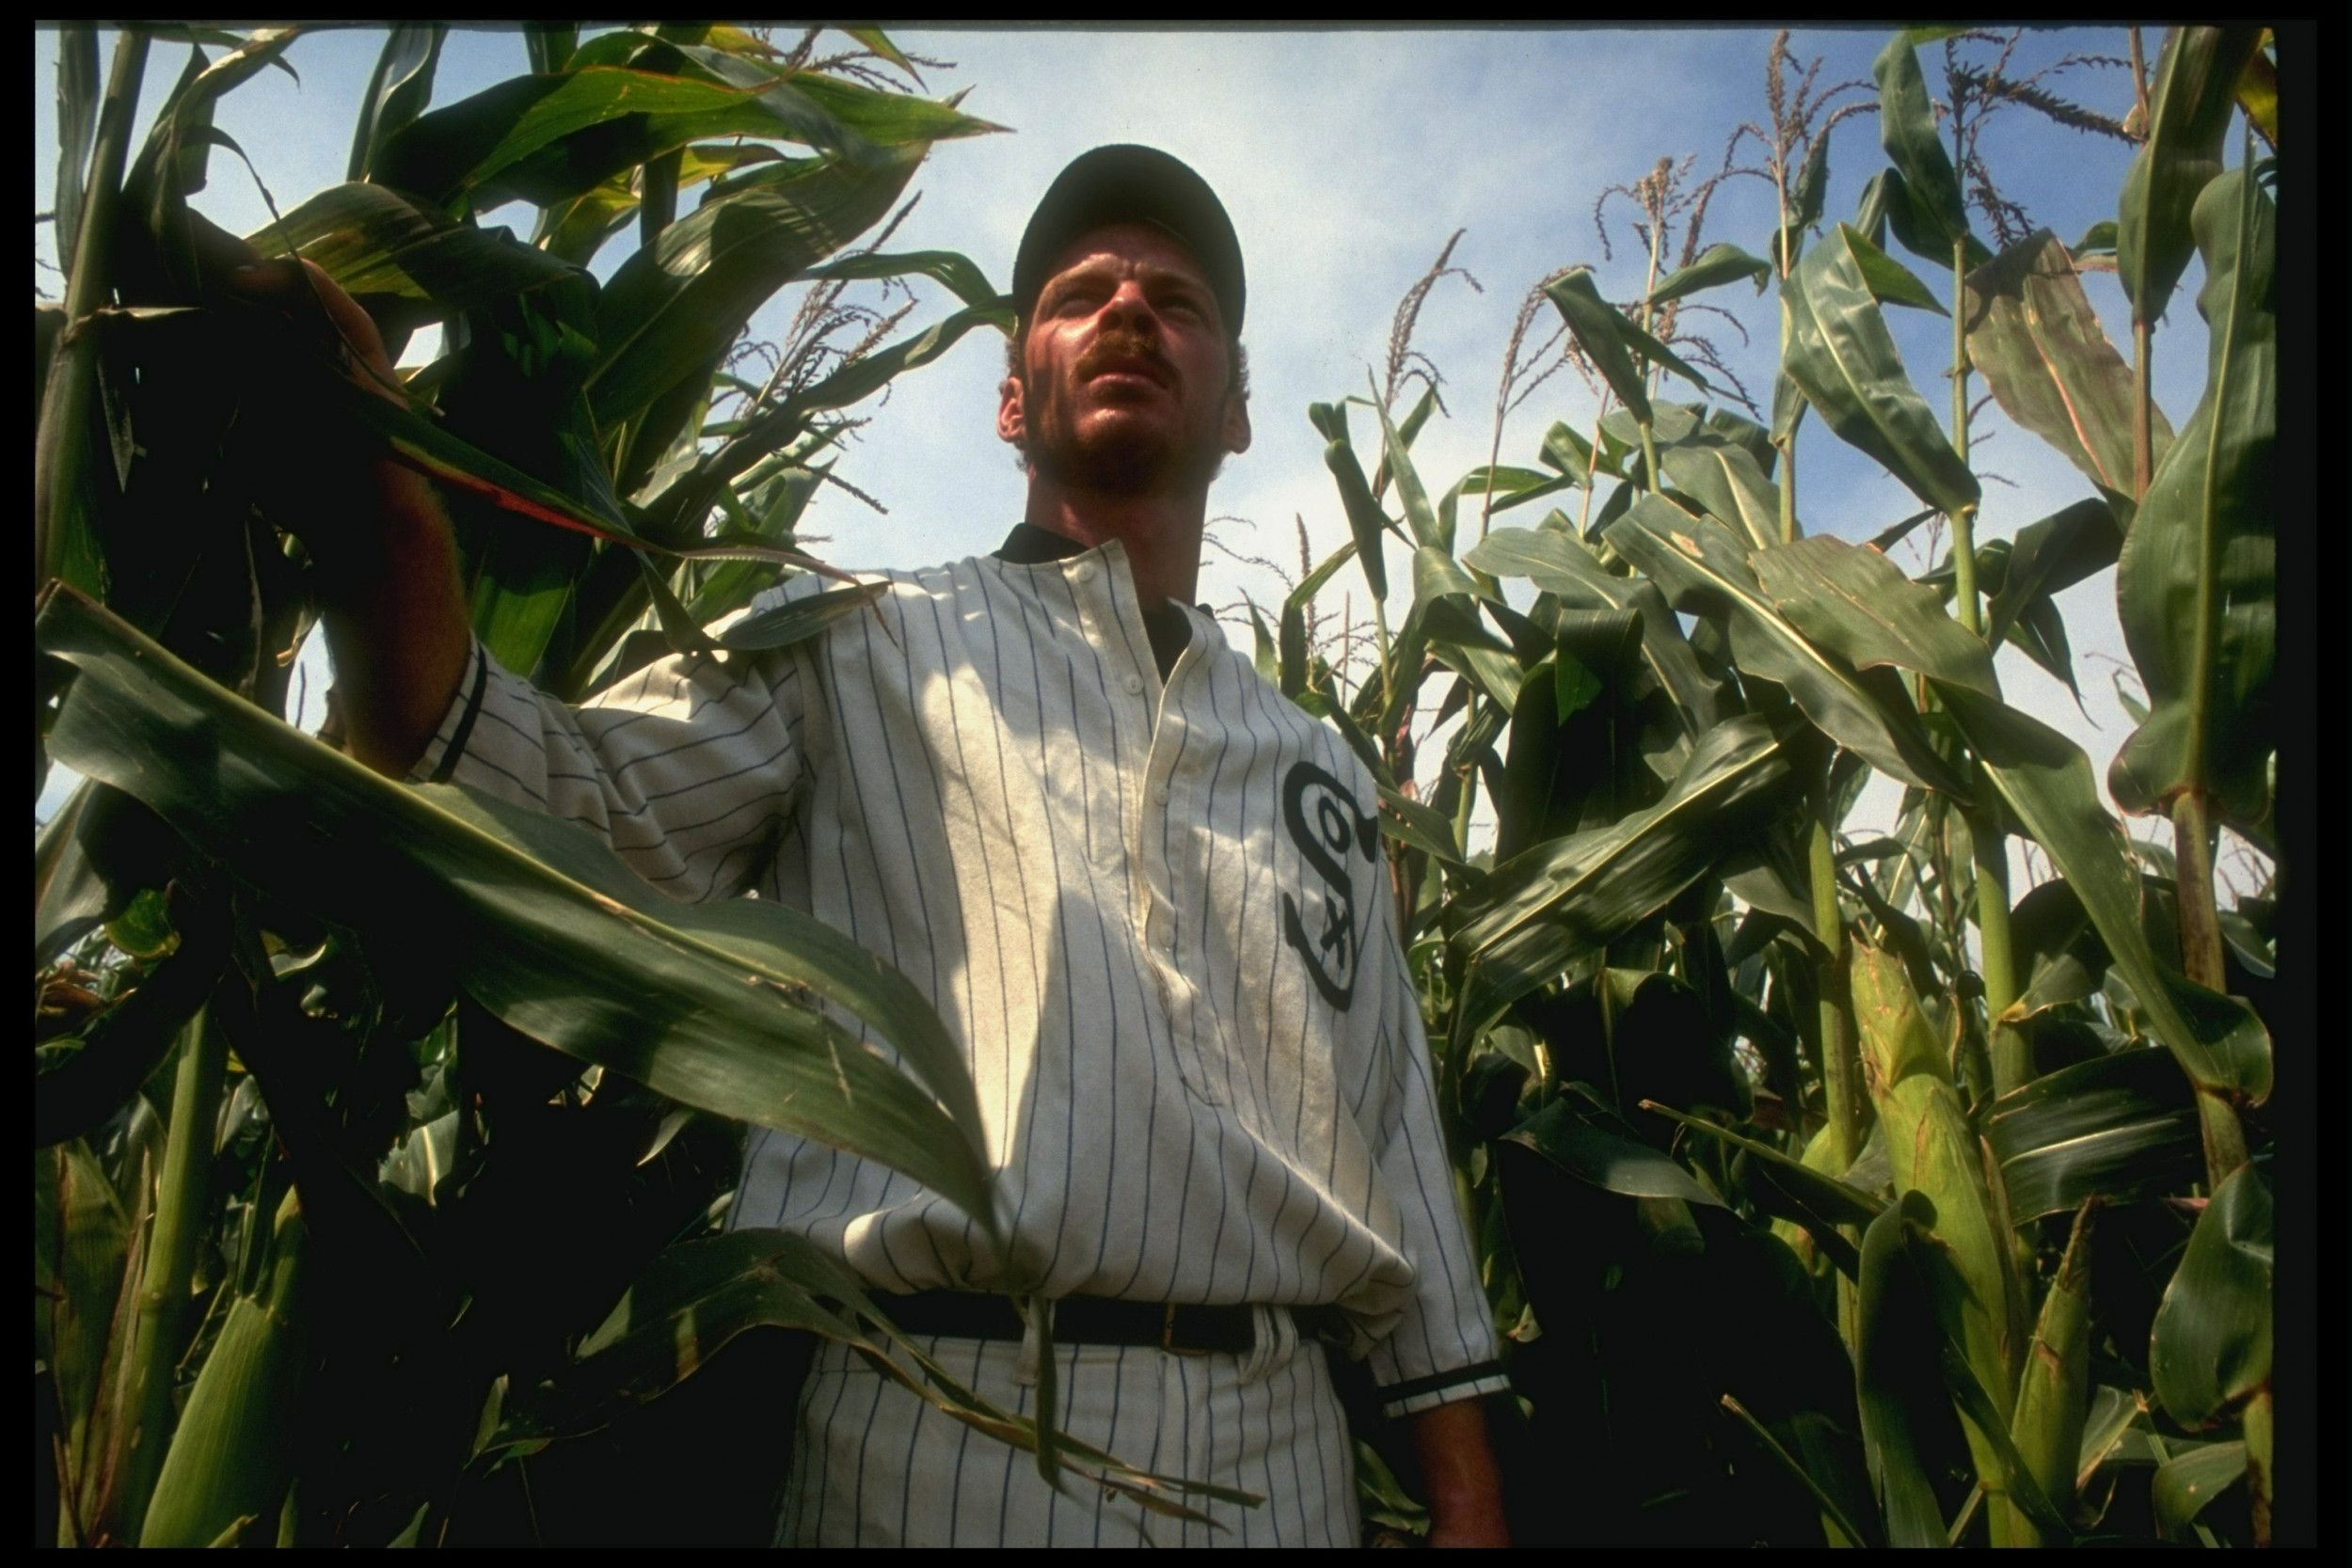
(1327, 827)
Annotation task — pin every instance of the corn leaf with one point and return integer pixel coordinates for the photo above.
(1842, 357)
(2196, 585)
(1853, 602)
(1896, 1380)
(716, 1005)
(1704, 569)
(2054, 1388)
(2033, 333)
(1730, 484)
(2045, 780)
(2211, 1343)
(1537, 911)
(373, 240)
(398, 92)
(1713, 267)
(1610, 1160)
(2189, 104)
(1907, 129)
(2120, 1127)
(233, 1453)
(676, 304)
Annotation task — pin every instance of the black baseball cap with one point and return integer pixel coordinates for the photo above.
(1125, 184)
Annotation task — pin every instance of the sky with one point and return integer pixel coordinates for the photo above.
(1347, 158)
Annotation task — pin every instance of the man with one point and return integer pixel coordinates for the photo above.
(1142, 890)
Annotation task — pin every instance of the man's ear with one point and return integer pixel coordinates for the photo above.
(1236, 422)
(1011, 418)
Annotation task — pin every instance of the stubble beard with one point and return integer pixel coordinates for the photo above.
(1121, 460)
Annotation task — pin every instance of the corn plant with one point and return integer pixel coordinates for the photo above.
(1980, 1177)
(382, 1132)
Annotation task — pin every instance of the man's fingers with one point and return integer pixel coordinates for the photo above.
(304, 294)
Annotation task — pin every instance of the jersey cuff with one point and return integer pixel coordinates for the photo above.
(1462, 1383)
(446, 748)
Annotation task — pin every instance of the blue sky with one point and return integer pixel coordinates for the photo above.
(1346, 158)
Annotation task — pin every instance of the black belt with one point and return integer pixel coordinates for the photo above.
(1183, 1327)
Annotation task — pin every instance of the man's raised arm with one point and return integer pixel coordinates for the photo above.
(388, 590)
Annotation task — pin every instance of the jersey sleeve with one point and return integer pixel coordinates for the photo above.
(689, 770)
(1444, 1348)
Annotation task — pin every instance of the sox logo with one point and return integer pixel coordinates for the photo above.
(1336, 827)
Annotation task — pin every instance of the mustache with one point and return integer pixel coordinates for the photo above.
(1124, 350)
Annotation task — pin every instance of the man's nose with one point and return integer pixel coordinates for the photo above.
(1129, 309)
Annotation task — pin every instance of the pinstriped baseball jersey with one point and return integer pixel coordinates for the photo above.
(1155, 915)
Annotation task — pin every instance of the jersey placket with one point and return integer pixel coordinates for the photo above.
(1114, 618)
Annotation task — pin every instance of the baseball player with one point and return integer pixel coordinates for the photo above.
(1143, 891)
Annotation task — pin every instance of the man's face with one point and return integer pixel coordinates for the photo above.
(1128, 370)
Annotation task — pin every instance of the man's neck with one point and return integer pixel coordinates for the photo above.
(1161, 534)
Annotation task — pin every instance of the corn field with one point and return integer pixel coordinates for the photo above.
(384, 1134)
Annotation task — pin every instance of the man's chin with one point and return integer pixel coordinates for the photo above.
(1128, 466)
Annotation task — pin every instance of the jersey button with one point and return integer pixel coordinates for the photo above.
(1159, 792)
(1082, 572)
(1135, 685)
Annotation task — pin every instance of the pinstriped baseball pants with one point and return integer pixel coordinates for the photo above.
(876, 1465)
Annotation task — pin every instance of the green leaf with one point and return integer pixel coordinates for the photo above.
(2045, 780)
(1730, 484)
(1896, 1379)
(1806, 196)
(2183, 1485)
(1396, 461)
(716, 1005)
(958, 272)
(1907, 130)
(1842, 357)
(2054, 1386)
(1705, 570)
(78, 94)
(1435, 576)
(677, 304)
(2033, 333)
(122, 1047)
(549, 45)
(800, 619)
(1838, 1201)
(398, 92)
(2048, 556)
(2210, 1346)
(1600, 332)
(1566, 566)
(2120, 1127)
(1610, 1160)
(1570, 452)
(2189, 104)
(1412, 822)
(1853, 602)
(373, 241)
(1889, 281)
(1365, 519)
(1933, 1150)
(232, 1452)
(1537, 911)
(1713, 267)
(1887, 206)
(2196, 585)
(549, 139)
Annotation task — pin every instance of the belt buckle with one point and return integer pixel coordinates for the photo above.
(1168, 1335)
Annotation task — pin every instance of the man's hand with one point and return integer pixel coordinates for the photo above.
(387, 565)
(1465, 1489)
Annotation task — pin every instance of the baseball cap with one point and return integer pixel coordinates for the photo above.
(1126, 183)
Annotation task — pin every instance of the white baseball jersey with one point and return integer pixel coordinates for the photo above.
(1156, 917)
